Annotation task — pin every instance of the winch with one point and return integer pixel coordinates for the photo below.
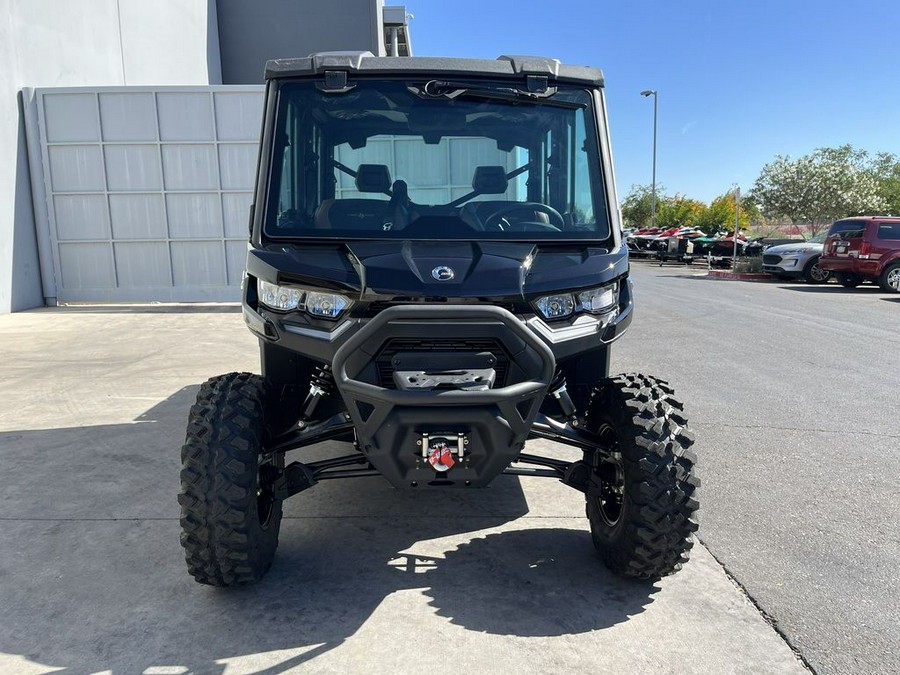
(438, 449)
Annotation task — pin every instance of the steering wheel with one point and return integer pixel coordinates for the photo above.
(552, 213)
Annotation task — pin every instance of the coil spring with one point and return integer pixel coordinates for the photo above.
(558, 391)
(323, 379)
(558, 381)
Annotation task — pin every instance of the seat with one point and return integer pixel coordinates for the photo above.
(487, 180)
(373, 178)
(492, 180)
(400, 204)
(355, 213)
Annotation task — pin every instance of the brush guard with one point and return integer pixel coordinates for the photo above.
(484, 428)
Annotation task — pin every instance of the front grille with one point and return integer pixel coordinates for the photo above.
(375, 308)
(468, 345)
(771, 259)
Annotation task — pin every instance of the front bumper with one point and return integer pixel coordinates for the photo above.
(783, 266)
(392, 424)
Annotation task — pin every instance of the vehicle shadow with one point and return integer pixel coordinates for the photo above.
(94, 577)
(168, 308)
(700, 275)
(833, 288)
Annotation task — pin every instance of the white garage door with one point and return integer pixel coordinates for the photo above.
(148, 190)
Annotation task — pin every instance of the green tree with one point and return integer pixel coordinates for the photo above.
(815, 189)
(637, 205)
(679, 211)
(720, 214)
(886, 169)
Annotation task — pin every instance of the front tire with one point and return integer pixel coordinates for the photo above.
(890, 278)
(230, 518)
(849, 280)
(643, 524)
(814, 274)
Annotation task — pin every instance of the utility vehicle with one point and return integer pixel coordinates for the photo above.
(436, 274)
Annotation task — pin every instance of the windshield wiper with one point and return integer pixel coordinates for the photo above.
(443, 89)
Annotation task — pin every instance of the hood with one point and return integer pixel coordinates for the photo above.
(794, 248)
(440, 269)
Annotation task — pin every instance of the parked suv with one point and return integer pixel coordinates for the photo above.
(866, 248)
(795, 260)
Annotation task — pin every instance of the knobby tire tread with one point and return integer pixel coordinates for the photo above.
(224, 542)
(655, 534)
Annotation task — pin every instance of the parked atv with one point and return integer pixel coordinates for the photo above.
(436, 275)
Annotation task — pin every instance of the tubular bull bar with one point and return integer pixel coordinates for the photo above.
(485, 428)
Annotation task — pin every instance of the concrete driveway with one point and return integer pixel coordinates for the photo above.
(367, 579)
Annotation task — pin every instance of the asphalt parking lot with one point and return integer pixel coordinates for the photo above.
(372, 580)
(790, 388)
(367, 579)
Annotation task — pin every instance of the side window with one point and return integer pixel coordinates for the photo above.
(296, 168)
(288, 180)
(889, 231)
(288, 189)
(582, 205)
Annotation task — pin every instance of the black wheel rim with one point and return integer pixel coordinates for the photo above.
(265, 495)
(610, 473)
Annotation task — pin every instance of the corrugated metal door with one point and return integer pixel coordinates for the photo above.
(148, 190)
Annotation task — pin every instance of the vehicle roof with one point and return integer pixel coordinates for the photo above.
(868, 218)
(365, 63)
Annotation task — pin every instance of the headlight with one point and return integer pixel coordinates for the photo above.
(328, 305)
(556, 306)
(598, 300)
(278, 297)
(316, 303)
(595, 301)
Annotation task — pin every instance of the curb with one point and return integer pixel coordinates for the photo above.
(739, 276)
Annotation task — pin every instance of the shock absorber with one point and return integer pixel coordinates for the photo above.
(321, 384)
(558, 391)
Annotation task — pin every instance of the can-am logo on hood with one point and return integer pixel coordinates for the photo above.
(443, 273)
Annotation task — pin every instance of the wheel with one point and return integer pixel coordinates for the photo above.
(814, 274)
(890, 278)
(642, 525)
(229, 516)
(848, 279)
(553, 214)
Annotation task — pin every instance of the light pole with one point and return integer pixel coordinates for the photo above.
(654, 94)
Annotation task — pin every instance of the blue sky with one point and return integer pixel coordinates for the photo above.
(739, 81)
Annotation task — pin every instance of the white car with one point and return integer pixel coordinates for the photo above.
(793, 261)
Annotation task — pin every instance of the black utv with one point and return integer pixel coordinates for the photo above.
(436, 275)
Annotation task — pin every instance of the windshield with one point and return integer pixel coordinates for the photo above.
(409, 160)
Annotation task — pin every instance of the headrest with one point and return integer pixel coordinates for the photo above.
(400, 193)
(490, 180)
(373, 178)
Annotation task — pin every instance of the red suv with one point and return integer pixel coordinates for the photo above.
(864, 248)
